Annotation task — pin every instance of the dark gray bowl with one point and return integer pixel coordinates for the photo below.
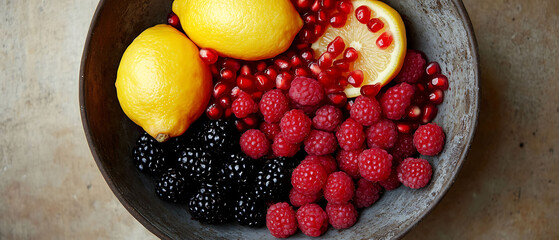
(440, 28)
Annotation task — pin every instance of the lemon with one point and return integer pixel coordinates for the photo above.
(379, 65)
(162, 84)
(241, 29)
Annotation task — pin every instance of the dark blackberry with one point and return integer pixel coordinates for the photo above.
(189, 138)
(220, 136)
(172, 186)
(198, 164)
(239, 169)
(273, 181)
(210, 205)
(149, 155)
(250, 210)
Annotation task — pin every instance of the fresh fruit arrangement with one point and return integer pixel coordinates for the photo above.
(317, 108)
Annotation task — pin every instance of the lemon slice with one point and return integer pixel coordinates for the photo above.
(379, 65)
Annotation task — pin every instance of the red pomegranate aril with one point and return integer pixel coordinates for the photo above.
(436, 97)
(302, 72)
(318, 31)
(314, 68)
(429, 113)
(271, 71)
(322, 16)
(345, 6)
(307, 35)
(336, 47)
(231, 64)
(341, 64)
(327, 4)
(256, 96)
(338, 20)
(220, 88)
(282, 63)
(245, 70)
(296, 61)
(349, 104)
(263, 82)
(302, 46)
(326, 80)
(224, 101)
(208, 55)
(283, 80)
(240, 125)
(315, 6)
(433, 68)
(214, 70)
(310, 18)
(363, 14)
(302, 4)
(307, 55)
(438, 82)
(333, 72)
(355, 78)
(342, 82)
(251, 121)
(214, 112)
(370, 90)
(235, 92)
(246, 83)
(261, 66)
(375, 25)
(350, 54)
(384, 40)
(227, 75)
(420, 95)
(414, 112)
(290, 53)
(403, 127)
(173, 20)
(325, 60)
(333, 89)
(227, 113)
(338, 99)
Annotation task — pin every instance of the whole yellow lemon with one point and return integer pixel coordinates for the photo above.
(162, 84)
(241, 29)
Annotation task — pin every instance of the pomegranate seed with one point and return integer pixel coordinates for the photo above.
(429, 113)
(302, 46)
(438, 82)
(384, 41)
(403, 127)
(315, 69)
(282, 63)
(355, 78)
(349, 104)
(436, 97)
(246, 83)
(214, 70)
(326, 80)
(338, 99)
(351, 54)
(327, 4)
(375, 25)
(363, 14)
(342, 82)
(261, 66)
(227, 113)
(240, 125)
(315, 6)
(433, 68)
(333, 72)
(318, 30)
(310, 18)
(235, 92)
(338, 20)
(306, 35)
(414, 112)
(220, 88)
(256, 96)
(334, 89)
(173, 20)
(272, 72)
(227, 75)
(370, 90)
(341, 64)
(296, 61)
(290, 53)
(214, 112)
(420, 95)
(251, 121)
(224, 101)
(323, 16)
(283, 80)
(336, 47)
(302, 4)
(231, 64)
(208, 55)
(325, 60)
(263, 82)
(345, 6)
(245, 70)
(302, 72)
(307, 55)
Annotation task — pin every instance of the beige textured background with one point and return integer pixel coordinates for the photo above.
(50, 187)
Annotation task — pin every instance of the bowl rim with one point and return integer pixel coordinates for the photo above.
(468, 26)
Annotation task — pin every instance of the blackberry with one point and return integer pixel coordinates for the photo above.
(209, 205)
(221, 136)
(273, 181)
(250, 210)
(189, 138)
(172, 186)
(198, 164)
(149, 155)
(239, 169)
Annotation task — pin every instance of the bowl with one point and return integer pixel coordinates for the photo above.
(440, 28)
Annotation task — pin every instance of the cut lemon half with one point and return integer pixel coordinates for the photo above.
(379, 65)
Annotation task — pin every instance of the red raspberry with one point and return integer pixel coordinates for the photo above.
(415, 172)
(375, 164)
(396, 100)
(254, 143)
(273, 105)
(366, 194)
(350, 135)
(306, 109)
(309, 178)
(341, 216)
(306, 91)
(339, 188)
(281, 220)
(298, 199)
(243, 106)
(295, 126)
(327, 118)
(413, 68)
(283, 148)
(320, 143)
(365, 110)
(312, 219)
(382, 134)
(403, 147)
(327, 161)
(392, 181)
(348, 161)
(428, 139)
(270, 129)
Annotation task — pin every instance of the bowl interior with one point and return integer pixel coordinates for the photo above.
(440, 28)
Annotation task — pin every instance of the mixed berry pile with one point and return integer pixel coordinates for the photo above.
(281, 145)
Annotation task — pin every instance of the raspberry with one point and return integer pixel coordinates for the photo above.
(312, 219)
(327, 118)
(339, 188)
(298, 199)
(281, 220)
(365, 110)
(341, 216)
(273, 105)
(320, 143)
(396, 100)
(308, 178)
(348, 161)
(413, 68)
(428, 139)
(366, 194)
(295, 126)
(254, 143)
(415, 172)
(243, 106)
(283, 148)
(392, 181)
(403, 147)
(306, 91)
(270, 129)
(350, 135)
(382, 134)
(327, 161)
(375, 164)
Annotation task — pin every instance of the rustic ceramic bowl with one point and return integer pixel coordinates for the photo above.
(440, 28)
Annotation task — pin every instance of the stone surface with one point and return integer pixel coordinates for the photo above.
(52, 189)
